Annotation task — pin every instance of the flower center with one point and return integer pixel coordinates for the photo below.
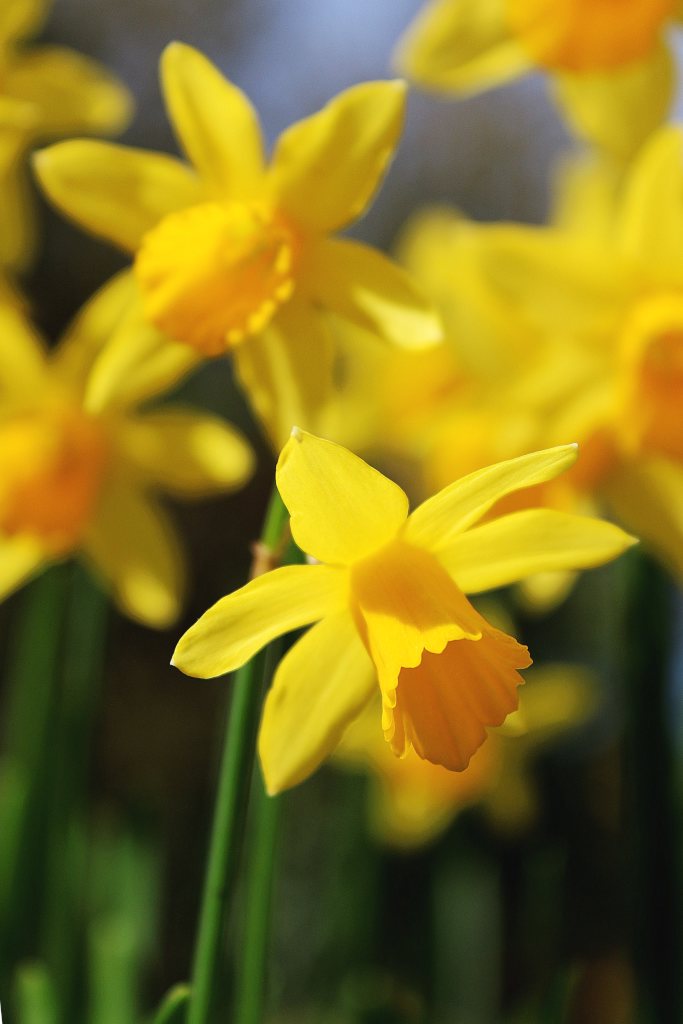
(214, 274)
(52, 463)
(587, 35)
(651, 377)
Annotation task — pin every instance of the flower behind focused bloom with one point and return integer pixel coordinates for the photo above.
(390, 607)
(45, 92)
(604, 289)
(609, 62)
(411, 801)
(80, 465)
(233, 254)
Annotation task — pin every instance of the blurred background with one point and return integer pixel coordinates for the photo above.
(492, 922)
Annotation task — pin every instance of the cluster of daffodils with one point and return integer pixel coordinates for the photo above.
(476, 360)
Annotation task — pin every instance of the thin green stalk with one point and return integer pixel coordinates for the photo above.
(79, 697)
(233, 788)
(32, 682)
(251, 989)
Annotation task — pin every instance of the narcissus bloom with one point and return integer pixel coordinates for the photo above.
(389, 602)
(45, 92)
(235, 255)
(608, 60)
(606, 290)
(81, 465)
(411, 801)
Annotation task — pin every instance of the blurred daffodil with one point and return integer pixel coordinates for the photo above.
(411, 801)
(609, 63)
(390, 607)
(439, 414)
(605, 288)
(45, 92)
(81, 465)
(234, 254)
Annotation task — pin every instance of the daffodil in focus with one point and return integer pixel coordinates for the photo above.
(605, 289)
(45, 92)
(235, 254)
(81, 467)
(388, 599)
(610, 63)
(411, 801)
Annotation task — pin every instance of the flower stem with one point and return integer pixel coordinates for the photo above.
(32, 681)
(251, 989)
(231, 799)
(66, 856)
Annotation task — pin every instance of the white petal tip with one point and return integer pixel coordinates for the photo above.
(297, 433)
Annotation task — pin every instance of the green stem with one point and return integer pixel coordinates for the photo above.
(32, 680)
(82, 676)
(233, 788)
(251, 990)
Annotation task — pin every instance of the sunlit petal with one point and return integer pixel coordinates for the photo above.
(321, 684)
(113, 191)
(327, 167)
(215, 123)
(341, 509)
(237, 626)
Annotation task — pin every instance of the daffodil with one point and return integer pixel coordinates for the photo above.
(233, 254)
(412, 410)
(605, 289)
(45, 92)
(610, 64)
(81, 466)
(388, 599)
(411, 801)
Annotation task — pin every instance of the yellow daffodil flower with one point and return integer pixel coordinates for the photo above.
(45, 92)
(419, 406)
(389, 602)
(81, 465)
(606, 290)
(412, 801)
(233, 254)
(609, 63)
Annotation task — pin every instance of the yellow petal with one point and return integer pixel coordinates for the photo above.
(214, 121)
(617, 110)
(527, 542)
(22, 353)
(438, 521)
(461, 46)
(92, 328)
(320, 685)
(133, 547)
(20, 557)
(137, 363)
(444, 705)
(327, 167)
(364, 286)
(651, 217)
(552, 278)
(18, 235)
(648, 498)
(185, 453)
(112, 191)
(237, 626)
(20, 18)
(287, 371)
(341, 508)
(72, 93)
